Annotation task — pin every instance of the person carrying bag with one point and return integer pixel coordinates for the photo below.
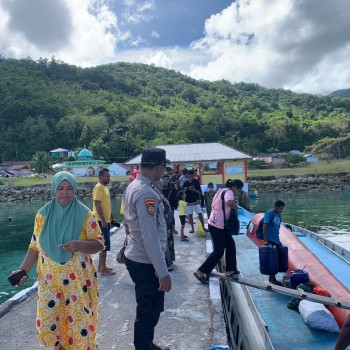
(223, 206)
(231, 224)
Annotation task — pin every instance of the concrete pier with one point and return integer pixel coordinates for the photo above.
(192, 320)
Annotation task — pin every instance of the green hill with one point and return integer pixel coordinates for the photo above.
(118, 109)
(340, 93)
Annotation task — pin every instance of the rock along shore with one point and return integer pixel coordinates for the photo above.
(319, 183)
(43, 192)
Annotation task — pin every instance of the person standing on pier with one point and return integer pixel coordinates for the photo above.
(193, 191)
(208, 198)
(65, 234)
(145, 253)
(103, 211)
(222, 239)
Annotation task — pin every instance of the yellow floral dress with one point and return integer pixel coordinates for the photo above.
(67, 303)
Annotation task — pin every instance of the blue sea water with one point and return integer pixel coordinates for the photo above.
(15, 238)
(319, 212)
(326, 212)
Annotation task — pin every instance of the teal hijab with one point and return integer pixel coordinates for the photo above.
(62, 223)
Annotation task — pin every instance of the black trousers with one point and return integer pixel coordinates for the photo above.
(149, 300)
(221, 241)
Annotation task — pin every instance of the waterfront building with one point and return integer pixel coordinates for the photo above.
(215, 162)
(61, 153)
(84, 165)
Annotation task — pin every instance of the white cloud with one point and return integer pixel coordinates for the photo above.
(277, 43)
(146, 6)
(136, 41)
(85, 32)
(136, 13)
(155, 34)
(294, 44)
(171, 58)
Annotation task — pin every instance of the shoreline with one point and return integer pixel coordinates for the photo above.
(34, 193)
(307, 183)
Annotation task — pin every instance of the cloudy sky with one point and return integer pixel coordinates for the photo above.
(302, 45)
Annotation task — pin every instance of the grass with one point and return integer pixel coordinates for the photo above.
(324, 167)
(32, 181)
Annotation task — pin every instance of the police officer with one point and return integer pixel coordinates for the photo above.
(145, 253)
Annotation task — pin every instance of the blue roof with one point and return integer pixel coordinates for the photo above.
(85, 154)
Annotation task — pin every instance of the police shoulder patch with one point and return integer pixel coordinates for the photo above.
(150, 205)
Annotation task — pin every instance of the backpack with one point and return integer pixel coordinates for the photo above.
(232, 225)
(259, 230)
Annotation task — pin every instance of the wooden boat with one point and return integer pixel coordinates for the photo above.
(305, 251)
(257, 319)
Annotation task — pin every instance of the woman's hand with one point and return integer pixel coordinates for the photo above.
(72, 246)
(23, 280)
(88, 247)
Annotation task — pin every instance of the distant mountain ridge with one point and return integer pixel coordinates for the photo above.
(118, 109)
(340, 93)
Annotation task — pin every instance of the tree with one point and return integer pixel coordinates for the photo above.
(41, 163)
(277, 132)
(94, 127)
(294, 159)
(47, 104)
(71, 126)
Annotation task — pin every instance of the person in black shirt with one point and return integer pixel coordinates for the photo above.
(193, 191)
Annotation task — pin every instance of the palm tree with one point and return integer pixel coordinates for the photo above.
(41, 163)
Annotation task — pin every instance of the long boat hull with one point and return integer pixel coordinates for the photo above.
(299, 256)
(271, 325)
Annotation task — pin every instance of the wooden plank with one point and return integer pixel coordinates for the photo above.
(299, 293)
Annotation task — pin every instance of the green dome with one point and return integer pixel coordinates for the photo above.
(85, 154)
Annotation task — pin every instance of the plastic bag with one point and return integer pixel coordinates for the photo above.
(317, 316)
(121, 254)
(200, 230)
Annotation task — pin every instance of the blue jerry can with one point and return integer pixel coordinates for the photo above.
(268, 260)
(283, 258)
(297, 277)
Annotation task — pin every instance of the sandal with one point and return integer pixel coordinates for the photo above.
(234, 274)
(201, 279)
(184, 240)
(191, 231)
(276, 283)
(185, 236)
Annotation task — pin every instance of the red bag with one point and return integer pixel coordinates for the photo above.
(321, 291)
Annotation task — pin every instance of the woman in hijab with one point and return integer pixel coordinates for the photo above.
(65, 234)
